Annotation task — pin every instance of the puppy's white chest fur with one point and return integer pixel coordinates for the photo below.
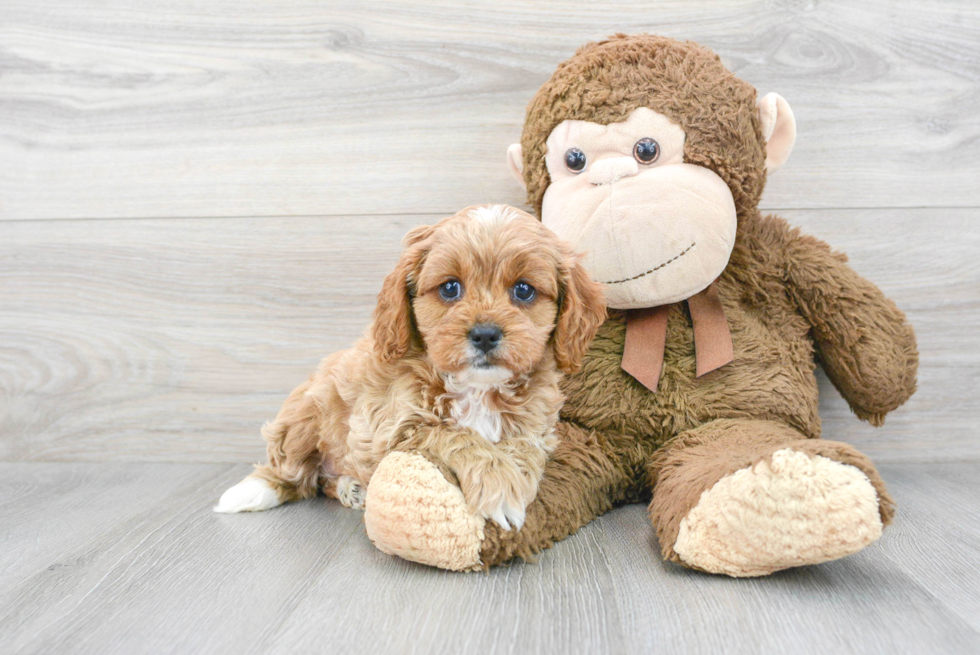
(470, 410)
(470, 406)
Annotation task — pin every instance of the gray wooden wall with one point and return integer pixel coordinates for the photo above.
(198, 200)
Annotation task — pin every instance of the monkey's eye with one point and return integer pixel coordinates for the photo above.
(451, 290)
(646, 150)
(575, 160)
(523, 292)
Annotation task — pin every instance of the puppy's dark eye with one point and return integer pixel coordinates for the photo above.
(523, 292)
(575, 160)
(646, 151)
(451, 290)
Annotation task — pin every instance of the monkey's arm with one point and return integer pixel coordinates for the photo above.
(863, 340)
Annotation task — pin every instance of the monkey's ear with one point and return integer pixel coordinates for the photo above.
(778, 129)
(515, 162)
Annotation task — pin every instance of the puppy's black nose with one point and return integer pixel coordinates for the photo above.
(485, 336)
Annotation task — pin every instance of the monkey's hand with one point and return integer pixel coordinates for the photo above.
(863, 340)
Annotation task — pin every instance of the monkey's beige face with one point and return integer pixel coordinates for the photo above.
(656, 230)
(486, 296)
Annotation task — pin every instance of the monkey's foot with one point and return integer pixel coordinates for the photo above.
(414, 512)
(790, 509)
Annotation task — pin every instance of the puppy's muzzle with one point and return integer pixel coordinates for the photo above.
(485, 337)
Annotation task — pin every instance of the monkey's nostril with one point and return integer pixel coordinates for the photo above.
(485, 336)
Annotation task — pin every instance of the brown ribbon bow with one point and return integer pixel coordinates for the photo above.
(646, 336)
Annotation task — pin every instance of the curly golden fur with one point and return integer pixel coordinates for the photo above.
(416, 382)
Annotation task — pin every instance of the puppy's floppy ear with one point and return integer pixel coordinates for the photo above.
(582, 309)
(394, 327)
(418, 234)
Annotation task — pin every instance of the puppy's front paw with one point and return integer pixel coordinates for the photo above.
(506, 516)
(499, 492)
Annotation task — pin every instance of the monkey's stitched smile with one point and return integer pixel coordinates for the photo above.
(656, 268)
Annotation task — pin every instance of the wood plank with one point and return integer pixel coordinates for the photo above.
(937, 531)
(132, 108)
(182, 579)
(563, 603)
(173, 335)
(193, 581)
(49, 511)
(174, 577)
(174, 340)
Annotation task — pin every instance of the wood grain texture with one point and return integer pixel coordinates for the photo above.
(147, 567)
(942, 538)
(49, 512)
(173, 108)
(174, 340)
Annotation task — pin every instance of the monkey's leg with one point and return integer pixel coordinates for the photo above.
(415, 510)
(747, 498)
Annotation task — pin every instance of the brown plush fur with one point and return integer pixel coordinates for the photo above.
(405, 385)
(790, 302)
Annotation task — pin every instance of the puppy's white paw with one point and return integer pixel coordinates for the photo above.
(506, 516)
(500, 493)
(249, 495)
(350, 492)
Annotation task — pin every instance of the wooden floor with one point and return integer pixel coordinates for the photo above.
(198, 201)
(127, 558)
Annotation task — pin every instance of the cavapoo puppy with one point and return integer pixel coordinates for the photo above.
(462, 362)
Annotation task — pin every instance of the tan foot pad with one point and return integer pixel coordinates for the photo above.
(791, 511)
(413, 512)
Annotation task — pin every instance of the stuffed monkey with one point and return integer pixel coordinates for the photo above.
(698, 394)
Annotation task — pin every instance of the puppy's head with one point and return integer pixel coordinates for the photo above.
(488, 293)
